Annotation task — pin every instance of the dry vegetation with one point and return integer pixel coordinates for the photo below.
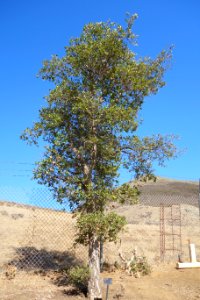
(37, 243)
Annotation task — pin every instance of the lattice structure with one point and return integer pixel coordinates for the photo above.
(170, 230)
(162, 231)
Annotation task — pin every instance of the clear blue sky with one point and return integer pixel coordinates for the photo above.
(32, 31)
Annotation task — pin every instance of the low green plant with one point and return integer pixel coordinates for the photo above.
(141, 266)
(78, 277)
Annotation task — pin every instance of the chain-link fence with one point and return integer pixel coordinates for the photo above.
(159, 228)
(36, 233)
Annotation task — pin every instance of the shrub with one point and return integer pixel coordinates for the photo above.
(141, 266)
(79, 276)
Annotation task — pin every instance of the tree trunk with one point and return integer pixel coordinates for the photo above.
(94, 289)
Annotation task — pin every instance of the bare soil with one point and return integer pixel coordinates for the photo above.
(164, 283)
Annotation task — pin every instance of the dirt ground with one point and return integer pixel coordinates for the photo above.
(164, 283)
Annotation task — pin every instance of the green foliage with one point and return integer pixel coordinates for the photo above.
(141, 266)
(78, 276)
(90, 120)
(126, 194)
(104, 226)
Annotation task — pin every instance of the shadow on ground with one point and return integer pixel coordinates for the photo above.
(30, 259)
(51, 264)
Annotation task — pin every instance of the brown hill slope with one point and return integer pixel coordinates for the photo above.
(170, 187)
(169, 191)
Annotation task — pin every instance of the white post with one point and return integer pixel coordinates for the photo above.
(193, 260)
(192, 253)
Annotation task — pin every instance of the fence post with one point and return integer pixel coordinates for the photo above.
(101, 254)
(199, 199)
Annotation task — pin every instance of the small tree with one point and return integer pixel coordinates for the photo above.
(89, 126)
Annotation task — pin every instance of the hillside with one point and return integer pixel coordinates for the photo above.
(171, 187)
(169, 191)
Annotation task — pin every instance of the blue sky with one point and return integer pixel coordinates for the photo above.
(32, 31)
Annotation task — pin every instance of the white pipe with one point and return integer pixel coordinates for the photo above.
(192, 252)
(188, 265)
(193, 260)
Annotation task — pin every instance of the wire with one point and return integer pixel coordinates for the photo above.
(17, 163)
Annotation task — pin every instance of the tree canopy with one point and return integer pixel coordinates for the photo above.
(90, 122)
